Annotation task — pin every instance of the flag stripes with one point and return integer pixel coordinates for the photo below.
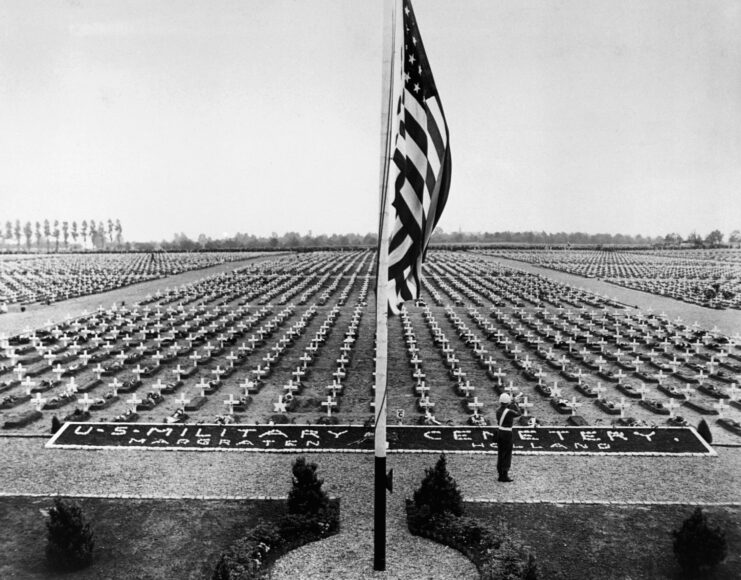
(421, 166)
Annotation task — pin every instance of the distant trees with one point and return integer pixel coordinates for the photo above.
(47, 233)
(28, 233)
(55, 233)
(714, 238)
(104, 235)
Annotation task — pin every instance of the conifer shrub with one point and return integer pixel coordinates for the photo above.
(699, 547)
(436, 513)
(439, 491)
(70, 538)
(704, 431)
(311, 516)
(306, 495)
(56, 424)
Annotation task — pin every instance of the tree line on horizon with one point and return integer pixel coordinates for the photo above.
(294, 240)
(101, 234)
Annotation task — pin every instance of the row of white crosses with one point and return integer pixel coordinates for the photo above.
(306, 358)
(463, 384)
(335, 388)
(96, 324)
(421, 389)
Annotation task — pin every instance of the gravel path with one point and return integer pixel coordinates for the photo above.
(727, 321)
(29, 468)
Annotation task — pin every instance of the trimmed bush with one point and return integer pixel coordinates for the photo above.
(439, 491)
(699, 547)
(306, 495)
(56, 424)
(70, 538)
(704, 431)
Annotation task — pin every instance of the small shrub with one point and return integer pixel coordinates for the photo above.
(70, 539)
(704, 431)
(697, 546)
(439, 491)
(306, 495)
(56, 424)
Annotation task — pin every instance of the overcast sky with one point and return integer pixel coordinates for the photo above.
(222, 116)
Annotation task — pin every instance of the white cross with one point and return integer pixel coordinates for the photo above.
(620, 376)
(38, 402)
(573, 405)
(203, 385)
(720, 406)
(121, 357)
(333, 389)
(232, 358)
(525, 405)
(623, 406)
(134, 401)
(59, 371)
(138, 372)
(672, 405)
(425, 403)
(98, 370)
(217, 372)
(71, 386)
(297, 374)
(28, 384)
(467, 388)
(540, 374)
(475, 405)
(687, 391)
(20, 370)
(247, 385)
(182, 401)
(660, 376)
(115, 384)
(422, 389)
(50, 356)
(86, 401)
(231, 402)
(700, 377)
(330, 403)
(195, 357)
(499, 375)
(157, 357)
(555, 390)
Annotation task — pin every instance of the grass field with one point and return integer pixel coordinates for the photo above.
(609, 542)
(168, 539)
(143, 539)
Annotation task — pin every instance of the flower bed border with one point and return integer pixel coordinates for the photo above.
(252, 556)
(494, 557)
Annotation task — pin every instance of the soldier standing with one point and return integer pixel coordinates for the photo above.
(507, 412)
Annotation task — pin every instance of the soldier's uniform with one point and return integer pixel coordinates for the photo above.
(506, 415)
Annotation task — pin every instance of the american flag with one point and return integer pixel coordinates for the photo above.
(421, 167)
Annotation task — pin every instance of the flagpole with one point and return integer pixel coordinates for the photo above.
(379, 512)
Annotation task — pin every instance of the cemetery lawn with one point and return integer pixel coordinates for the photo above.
(610, 542)
(143, 539)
